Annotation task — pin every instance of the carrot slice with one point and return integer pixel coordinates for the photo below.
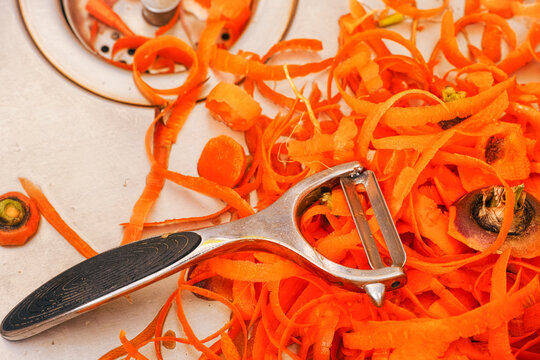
(101, 11)
(223, 161)
(233, 105)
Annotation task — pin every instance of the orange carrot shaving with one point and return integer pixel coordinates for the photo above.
(128, 42)
(460, 108)
(211, 189)
(449, 44)
(443, 331)
(52, 216)
(168, 26)
(145, 55)
(293, 45)
(412, 11)
(93, 33)
(499, 342)
(239, 65)
(500, 7)
(491, 42)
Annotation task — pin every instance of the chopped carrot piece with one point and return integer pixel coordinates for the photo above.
(231, 104)
(222, 160)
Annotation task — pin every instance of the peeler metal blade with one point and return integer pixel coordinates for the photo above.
(393, 243)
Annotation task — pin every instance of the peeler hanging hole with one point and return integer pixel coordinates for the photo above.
(395, 284)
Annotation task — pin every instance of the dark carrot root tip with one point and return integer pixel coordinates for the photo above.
(487, 218)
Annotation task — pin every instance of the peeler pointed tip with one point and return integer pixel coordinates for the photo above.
(376, 292)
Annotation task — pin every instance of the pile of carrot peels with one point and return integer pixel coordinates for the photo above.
(431, 129)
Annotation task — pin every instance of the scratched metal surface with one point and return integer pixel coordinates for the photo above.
(87, 155)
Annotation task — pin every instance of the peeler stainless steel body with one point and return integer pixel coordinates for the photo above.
(124, 269)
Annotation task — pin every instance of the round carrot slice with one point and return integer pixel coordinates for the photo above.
(223, 161)
(19, 218)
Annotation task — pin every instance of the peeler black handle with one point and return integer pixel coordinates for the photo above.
(95, 280)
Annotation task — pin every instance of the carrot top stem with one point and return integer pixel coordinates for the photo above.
(392, 19)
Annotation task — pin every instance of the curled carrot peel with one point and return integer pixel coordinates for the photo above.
(145, 55)
(239, 65)
(449, 44)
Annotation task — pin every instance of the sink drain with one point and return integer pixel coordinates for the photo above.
(81, 48)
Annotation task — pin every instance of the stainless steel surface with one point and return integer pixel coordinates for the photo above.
(360, 220)
(87, 154)
(393, 243)
(275, 229)
(159, 12)
(70, 53)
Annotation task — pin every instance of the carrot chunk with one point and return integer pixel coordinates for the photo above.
(222, 160)
(233, 105)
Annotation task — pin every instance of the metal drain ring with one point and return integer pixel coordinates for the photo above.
(53, 36)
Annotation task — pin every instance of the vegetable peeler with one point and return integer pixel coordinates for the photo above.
(124, 269)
